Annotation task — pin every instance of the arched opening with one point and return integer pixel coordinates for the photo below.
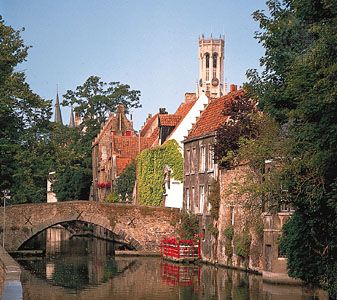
(215, 58)
(51, 239)
(207, 65)
(207, 59)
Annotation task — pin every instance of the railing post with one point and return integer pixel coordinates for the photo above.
(199, 250)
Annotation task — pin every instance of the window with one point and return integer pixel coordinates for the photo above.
(286, 207)
(215, 56)
(210, 158)
(201, 198)
(207, 60)
(202, 159)
(187, 165)
(193, 157)
(232, 214)
(207, 66)
(209, 189)
(188, 203)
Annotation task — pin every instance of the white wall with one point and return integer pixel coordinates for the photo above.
(186, 124)
(174, 194)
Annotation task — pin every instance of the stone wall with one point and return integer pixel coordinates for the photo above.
(10, 272)
(224, 237)
(232, 214)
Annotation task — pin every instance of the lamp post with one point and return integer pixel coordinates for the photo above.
(5, 196)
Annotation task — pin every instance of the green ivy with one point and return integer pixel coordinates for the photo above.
(242, 244)
(229, 232)
(150, 171)
(214, 199)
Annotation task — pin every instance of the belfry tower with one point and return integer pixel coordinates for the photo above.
(211, 66)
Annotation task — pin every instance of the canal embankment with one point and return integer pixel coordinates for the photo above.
(10, 273)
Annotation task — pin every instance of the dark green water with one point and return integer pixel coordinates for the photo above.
(83, 268)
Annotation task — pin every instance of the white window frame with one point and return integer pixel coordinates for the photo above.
(210, 158)
(201, 198)
(202, 157)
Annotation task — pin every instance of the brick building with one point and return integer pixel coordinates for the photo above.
(199, 166)
(116, 145)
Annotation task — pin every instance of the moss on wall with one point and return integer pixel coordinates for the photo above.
(150, 171)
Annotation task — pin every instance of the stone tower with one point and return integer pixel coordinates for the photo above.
(211, 66)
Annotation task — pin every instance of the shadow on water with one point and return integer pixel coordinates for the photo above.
(85, 268)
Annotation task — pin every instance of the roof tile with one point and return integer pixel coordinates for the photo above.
(212, 117)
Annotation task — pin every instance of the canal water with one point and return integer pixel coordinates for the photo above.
(85, 268)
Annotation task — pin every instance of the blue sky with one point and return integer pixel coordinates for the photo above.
(149, 44)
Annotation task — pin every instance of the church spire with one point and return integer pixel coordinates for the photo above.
(58, 116)
(72, 121)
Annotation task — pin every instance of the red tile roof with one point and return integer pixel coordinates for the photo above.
(122, 163)
(184, 108)
(148, 125)
(212, 117)
(169, 120)
(129, 146)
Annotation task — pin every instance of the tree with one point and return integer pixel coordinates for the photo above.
(95, 100)
(71, 160)
(240, 109)
(24, 121)
(298, 88)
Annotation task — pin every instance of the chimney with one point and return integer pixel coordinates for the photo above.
(189, 97)
(233, 88)
(162, 111)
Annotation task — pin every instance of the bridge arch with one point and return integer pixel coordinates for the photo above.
(122, 237)
(139, 226)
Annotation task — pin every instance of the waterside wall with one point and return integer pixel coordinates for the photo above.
(10, 273)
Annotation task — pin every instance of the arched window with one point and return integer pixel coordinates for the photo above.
(207, 60)
(215, 57)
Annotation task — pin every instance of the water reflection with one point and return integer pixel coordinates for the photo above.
(84, 268)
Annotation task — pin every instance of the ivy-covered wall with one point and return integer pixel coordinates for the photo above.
(150, 171)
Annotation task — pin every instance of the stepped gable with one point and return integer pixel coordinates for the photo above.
(146, 129)
(117, 124)
(212, 117)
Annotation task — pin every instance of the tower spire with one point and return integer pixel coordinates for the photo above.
(72, 121)
(58, 115)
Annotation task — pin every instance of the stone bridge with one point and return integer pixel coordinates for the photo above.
(141, 227)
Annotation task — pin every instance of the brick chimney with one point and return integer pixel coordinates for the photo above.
(190, 97)
(233, 88)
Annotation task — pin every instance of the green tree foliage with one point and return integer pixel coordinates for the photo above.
(150, 171)
(71, 161)
(298, 88)
(189, 226)
(24, 123)
(95, 100)
(125, 183)
(240, 125)
(214, 199)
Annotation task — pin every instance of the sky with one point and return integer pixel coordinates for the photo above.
(152, 45)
